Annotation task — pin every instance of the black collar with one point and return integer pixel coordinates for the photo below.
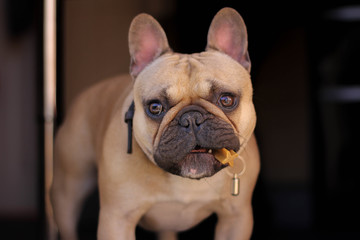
(129, 115)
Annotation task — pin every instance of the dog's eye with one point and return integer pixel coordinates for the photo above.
(227, 100)
(155, 108)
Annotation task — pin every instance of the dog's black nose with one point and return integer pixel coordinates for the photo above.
(192, 116)
(191, 119)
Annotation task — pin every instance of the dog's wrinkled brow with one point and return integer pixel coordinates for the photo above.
(162, 96)
(217, 88)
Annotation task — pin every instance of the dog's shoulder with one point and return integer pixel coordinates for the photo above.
(92, 108)
(101, 94)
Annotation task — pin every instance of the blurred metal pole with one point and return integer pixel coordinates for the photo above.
(49, 108)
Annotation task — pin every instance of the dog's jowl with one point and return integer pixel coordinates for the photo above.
(187, 107)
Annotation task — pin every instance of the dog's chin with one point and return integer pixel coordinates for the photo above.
(197, 165)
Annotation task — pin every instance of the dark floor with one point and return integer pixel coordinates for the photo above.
(30, 230)
(268, 224)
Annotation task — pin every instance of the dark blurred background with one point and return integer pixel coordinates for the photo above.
(305, 72)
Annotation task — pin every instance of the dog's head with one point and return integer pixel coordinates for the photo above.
(186, 106)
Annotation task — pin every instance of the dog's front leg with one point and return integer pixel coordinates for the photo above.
(117, 225)
(111, 228)
(235, 227)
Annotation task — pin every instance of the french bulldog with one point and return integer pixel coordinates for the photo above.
(184, 106)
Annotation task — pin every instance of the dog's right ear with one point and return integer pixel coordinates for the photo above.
(147, 41)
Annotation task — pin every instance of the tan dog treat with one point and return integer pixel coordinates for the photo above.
(225, 156)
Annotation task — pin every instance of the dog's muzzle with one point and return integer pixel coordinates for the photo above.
(185, 147)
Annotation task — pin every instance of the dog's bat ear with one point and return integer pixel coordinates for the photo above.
(147, 41)
(227, 33)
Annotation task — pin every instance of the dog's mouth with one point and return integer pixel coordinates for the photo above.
(199, 149)
(199, 163)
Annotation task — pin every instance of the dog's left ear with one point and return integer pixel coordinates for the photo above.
(147, 41)
(228, 34)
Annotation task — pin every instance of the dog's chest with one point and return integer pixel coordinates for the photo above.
(176, 216)
(184, 206)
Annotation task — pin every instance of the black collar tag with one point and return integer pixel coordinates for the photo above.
(129, 115)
